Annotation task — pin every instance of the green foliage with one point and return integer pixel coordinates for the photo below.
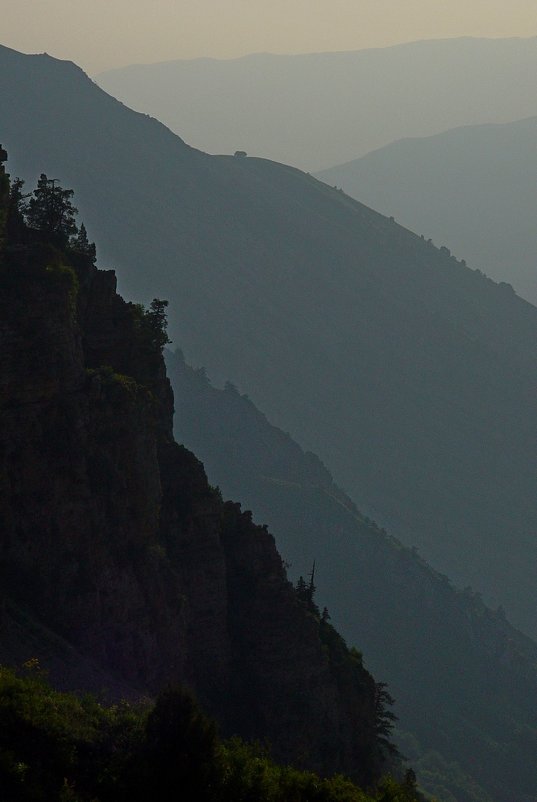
(50, 741)
(392, 791)
(251, 776)
(157, 323)
(50, 210)
(56, 747)
(152, 324)
(111, 380)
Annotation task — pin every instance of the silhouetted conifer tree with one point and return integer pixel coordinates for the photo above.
(384, 717)
(51, 210)
(81, 244)
(156, 318)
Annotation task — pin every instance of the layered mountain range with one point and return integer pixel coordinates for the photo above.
(315, 110)
(464, 679)
(472, 188)
(411, 375)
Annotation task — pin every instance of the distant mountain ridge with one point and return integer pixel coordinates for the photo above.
(471, 188)
(409, 374)
(319, 109)
(464, 680)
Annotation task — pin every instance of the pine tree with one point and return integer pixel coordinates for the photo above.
(156, 318)
(51, 210)
(384, 717)
(81, 244)
(306, 592)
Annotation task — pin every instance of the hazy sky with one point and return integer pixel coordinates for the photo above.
(98, 34)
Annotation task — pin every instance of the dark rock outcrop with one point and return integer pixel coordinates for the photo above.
(117, 554)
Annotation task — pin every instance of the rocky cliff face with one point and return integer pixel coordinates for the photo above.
(119, 563)
(465, 680)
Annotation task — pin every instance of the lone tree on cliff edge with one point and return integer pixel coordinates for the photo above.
(51, 210)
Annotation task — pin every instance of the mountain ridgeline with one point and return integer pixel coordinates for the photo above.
(315, 110)
(471, 188)
(410, 374)
(464, 679)
(120, 566)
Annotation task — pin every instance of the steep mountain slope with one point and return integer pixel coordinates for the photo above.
(319, 109)
(114, 545)
(465, 681)
(472, 188)
(408, 373)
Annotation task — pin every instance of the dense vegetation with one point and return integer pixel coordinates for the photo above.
(58, 747)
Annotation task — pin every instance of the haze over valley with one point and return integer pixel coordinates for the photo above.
(268, 348)
(472, 187)
(317, 110)
(432, 132)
